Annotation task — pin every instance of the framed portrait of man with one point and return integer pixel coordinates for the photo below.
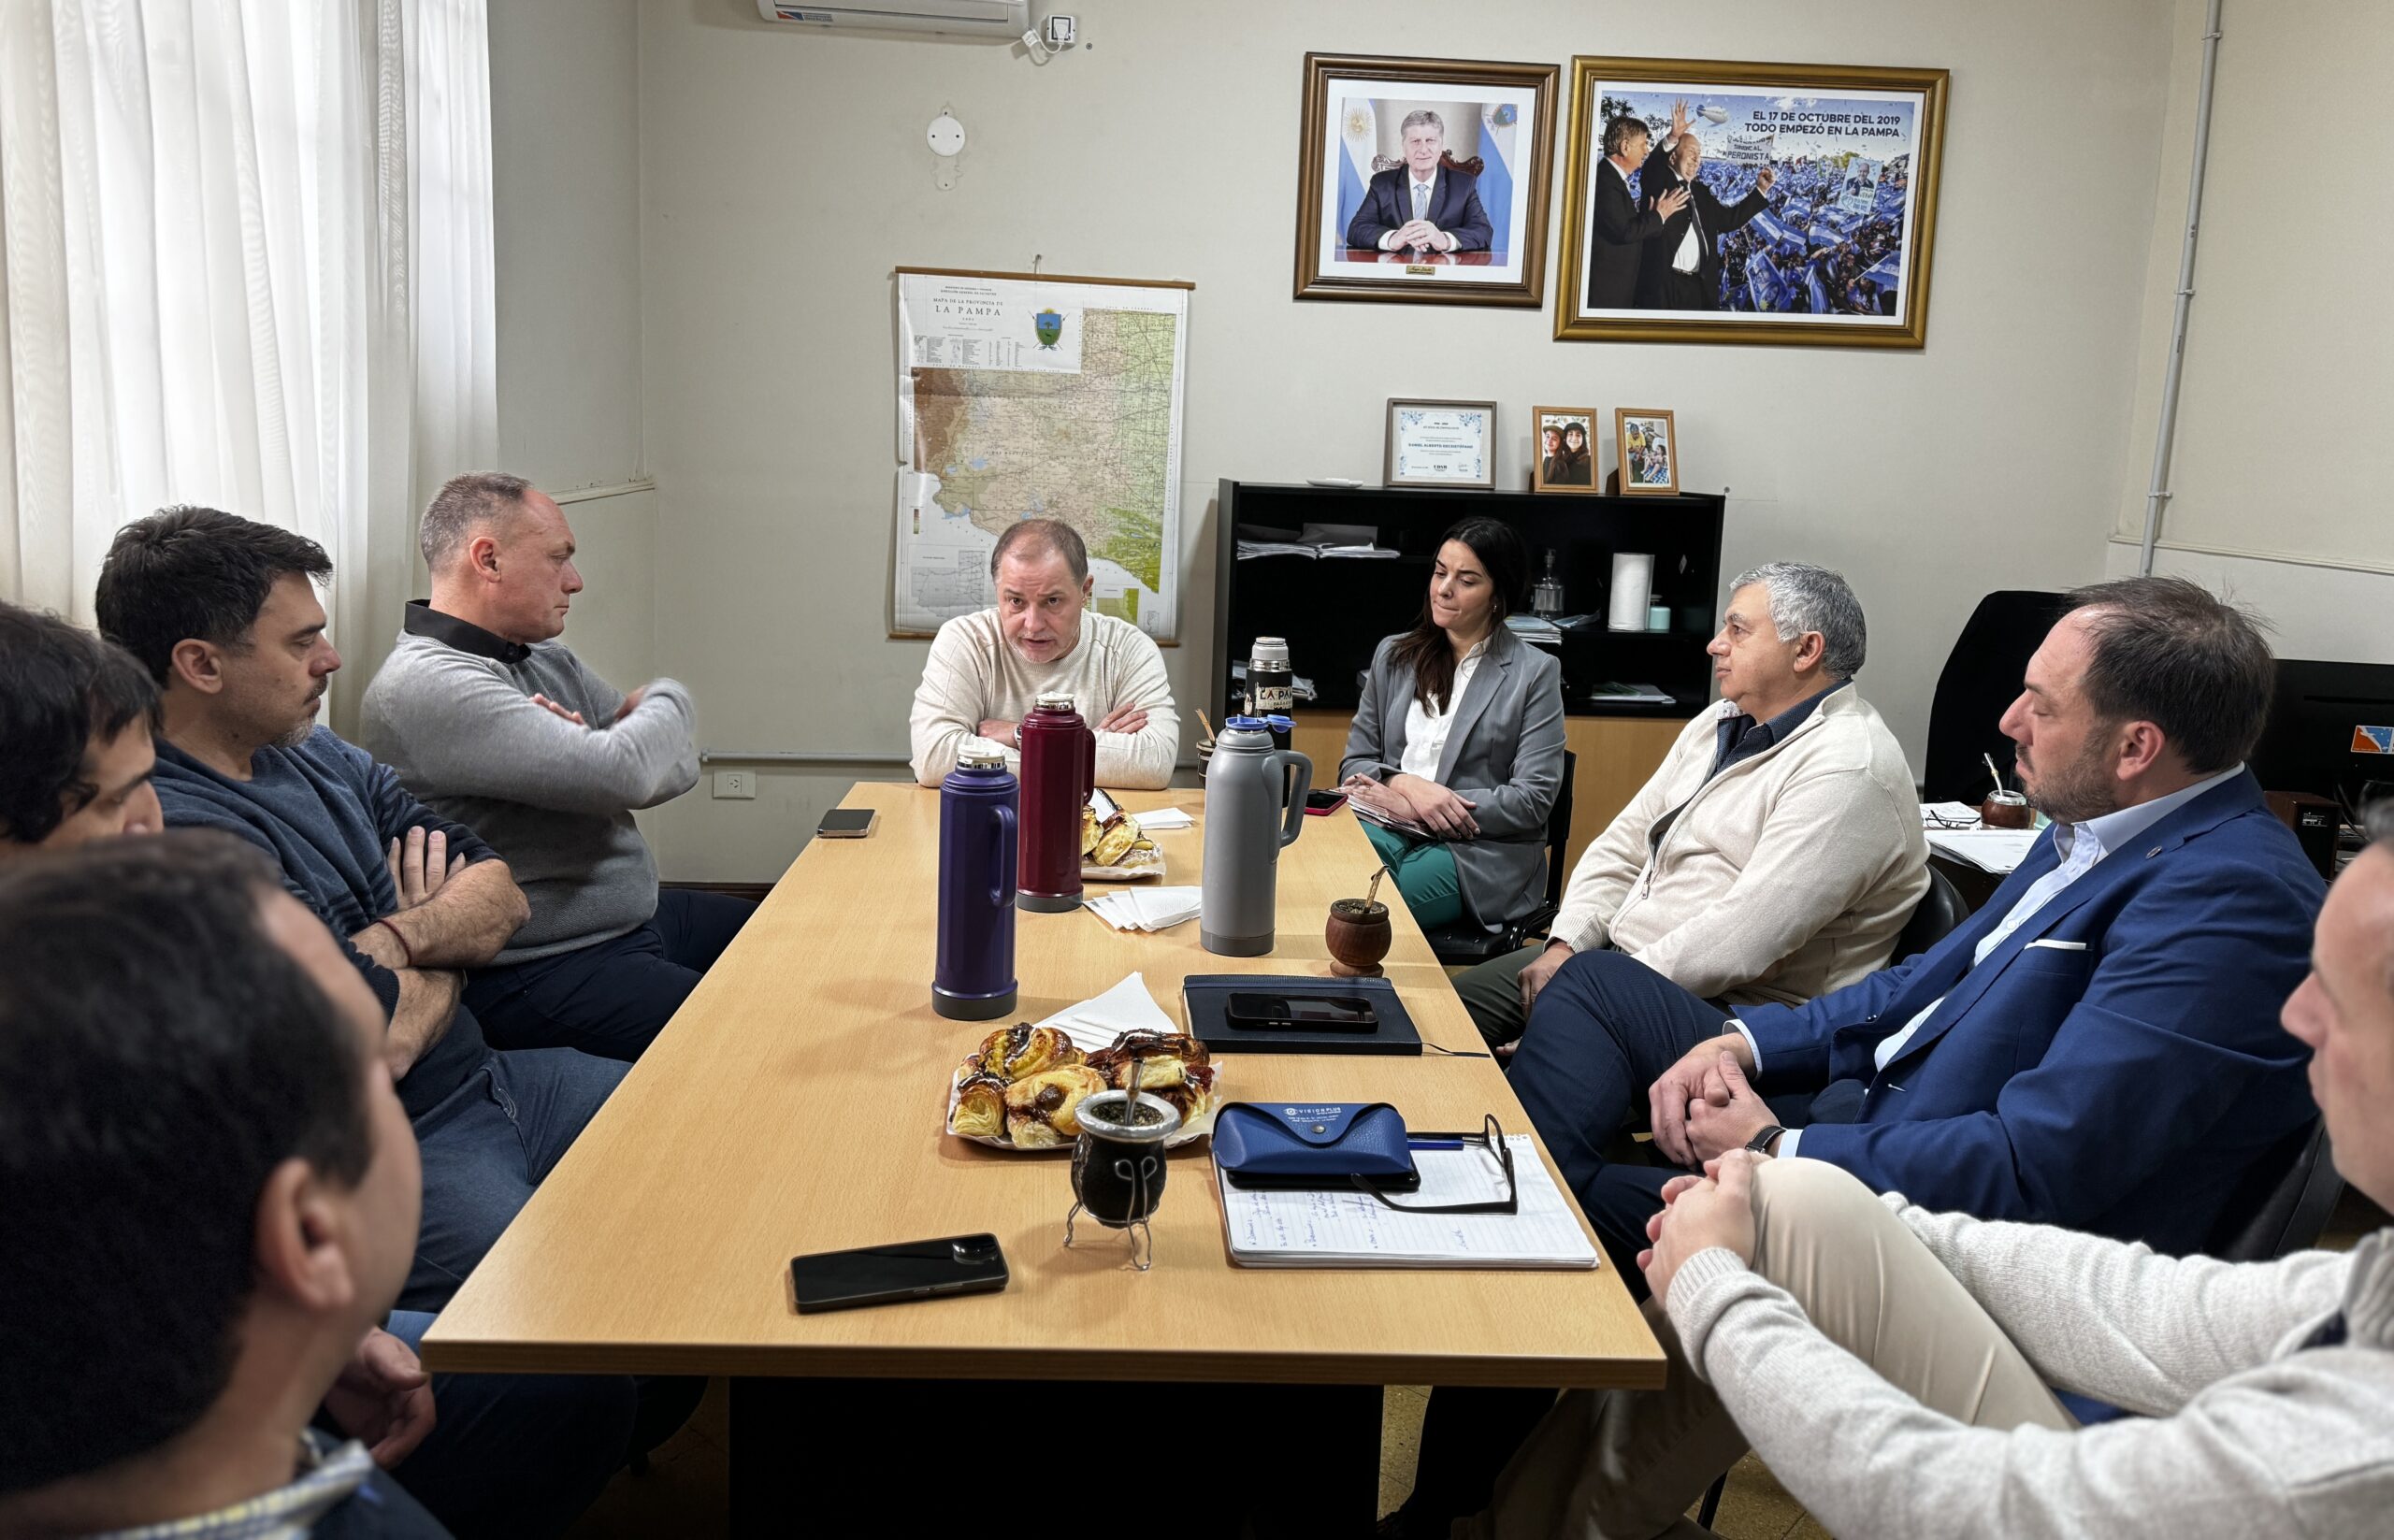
(1649, 444)
(1562, 458)
(1424, 180)
(1714, 202)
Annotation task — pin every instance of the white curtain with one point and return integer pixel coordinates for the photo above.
(248, 263)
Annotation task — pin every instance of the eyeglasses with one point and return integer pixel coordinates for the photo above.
(1490, 1137)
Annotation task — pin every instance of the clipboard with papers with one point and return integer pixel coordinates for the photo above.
(1346, 1229)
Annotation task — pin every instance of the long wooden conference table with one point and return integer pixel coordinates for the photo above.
(796, 1104)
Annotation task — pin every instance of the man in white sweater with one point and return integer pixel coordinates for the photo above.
(1896, 1368)
(1777, 852)
(987, 669)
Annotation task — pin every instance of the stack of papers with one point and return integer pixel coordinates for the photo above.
(1645, 693)
(1949, 816)
(1165, 818)
(1276, 1229)
(1315, 540)
(1535, 628)
(1371, 814)
(1145, 908)
(1996, 850)
(1094, 1024)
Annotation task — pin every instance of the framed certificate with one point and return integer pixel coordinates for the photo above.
(1441, 444)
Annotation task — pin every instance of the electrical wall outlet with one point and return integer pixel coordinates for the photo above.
(735, 785)
(1059, 31)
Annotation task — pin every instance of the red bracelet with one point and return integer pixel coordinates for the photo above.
(405, 950)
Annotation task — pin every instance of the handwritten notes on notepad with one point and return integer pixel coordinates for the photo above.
(1277, 1229)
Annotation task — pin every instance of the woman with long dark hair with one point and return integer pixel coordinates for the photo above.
(1456, 754)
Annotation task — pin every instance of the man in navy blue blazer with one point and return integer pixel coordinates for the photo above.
(2097, 1047)
(1422, 204)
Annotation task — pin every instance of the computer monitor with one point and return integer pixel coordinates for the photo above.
(2331, 731)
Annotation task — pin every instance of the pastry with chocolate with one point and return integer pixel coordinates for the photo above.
(980, 1106)
(1022, 1049)
(1040, 1109)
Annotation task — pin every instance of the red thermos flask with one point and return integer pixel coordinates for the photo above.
(1059, 771)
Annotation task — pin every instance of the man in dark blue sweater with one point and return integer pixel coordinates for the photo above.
(223, 614)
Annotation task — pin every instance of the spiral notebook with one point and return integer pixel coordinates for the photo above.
(1272, 1228)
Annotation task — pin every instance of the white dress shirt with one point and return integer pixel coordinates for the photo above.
(1425, 730)
(2079, 846)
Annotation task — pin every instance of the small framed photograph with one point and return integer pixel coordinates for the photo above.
(1650, 451)
(1564, 458)
(1424, 180)
(1441, 444)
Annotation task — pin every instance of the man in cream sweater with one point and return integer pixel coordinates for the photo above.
(1891, 1365)
(1777, 853)
(987, 669)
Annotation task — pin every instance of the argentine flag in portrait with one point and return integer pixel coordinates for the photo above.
(1498, 124)
(1359, 136)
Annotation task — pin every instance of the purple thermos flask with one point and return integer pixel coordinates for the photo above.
(973, 978)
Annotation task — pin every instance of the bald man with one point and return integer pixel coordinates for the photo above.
(1681, 269)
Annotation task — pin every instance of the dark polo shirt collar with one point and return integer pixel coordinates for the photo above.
(422, 620)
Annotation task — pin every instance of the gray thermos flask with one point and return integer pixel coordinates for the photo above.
(1255, 803)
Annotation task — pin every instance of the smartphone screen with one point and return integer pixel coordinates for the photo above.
(889, 1274)
(1311, 1012)
(1324, 801)
(847, 823)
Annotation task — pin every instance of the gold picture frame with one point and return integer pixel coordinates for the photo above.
(1575, 474)
(1841, 263)
(1501, 116)
(1636, 467)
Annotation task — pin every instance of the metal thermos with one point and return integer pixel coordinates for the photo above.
(1059, 771)
(1255, 803)
(1271, 687)
(973, 978)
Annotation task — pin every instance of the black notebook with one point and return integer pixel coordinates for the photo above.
(1206, 1004)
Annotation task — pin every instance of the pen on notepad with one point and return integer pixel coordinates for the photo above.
(1433, 1143)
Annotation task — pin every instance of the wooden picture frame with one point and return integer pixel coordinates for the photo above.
(1636, 475)
(1574, 475)
(1427, 438)
(1836, 253)
(1495, 122)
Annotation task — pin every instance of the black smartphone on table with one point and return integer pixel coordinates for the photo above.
(891, 1275)
(1260, 1011)
(847, 823)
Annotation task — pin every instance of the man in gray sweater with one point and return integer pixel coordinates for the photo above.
(491, 721)
(1897, 1368)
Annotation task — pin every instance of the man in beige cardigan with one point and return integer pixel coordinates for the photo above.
(1777, 853)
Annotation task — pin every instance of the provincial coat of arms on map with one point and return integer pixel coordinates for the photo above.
(1050, 328)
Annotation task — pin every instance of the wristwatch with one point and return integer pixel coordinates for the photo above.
(1760, 1143)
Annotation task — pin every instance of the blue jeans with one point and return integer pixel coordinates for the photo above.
(612, 997)
(486, 1146)
(516, 1455)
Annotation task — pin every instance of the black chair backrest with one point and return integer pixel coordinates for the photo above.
(2287, 1196)
(1939, 913)
(1982, 677)
(1558, 833)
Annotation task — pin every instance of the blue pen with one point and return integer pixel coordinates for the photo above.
(1433, 1143)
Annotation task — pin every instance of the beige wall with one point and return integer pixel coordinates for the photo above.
(783, 174)
(2272, 338)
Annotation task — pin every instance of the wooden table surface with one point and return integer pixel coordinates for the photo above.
(796, 1103)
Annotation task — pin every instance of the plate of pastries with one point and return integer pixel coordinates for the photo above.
(1113, 847)
(1019, 1089)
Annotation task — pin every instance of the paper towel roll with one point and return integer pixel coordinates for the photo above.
(1633, 586)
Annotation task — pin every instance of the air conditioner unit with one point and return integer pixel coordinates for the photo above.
(1000, 20)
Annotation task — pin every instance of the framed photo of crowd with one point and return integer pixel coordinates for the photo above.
(1714, 202)
(1424, 180)
(1564, 455)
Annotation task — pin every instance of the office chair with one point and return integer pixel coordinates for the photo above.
(1463, 944)
(2295, 1206)
(1982, 676)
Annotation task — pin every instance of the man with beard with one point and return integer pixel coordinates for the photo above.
(2097, 1048)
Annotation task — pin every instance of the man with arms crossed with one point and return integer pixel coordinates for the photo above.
(495, 724)
(1776, 853)
(1892, 1362)
(987, 669)
(515, 1455)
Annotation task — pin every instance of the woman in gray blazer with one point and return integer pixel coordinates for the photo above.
(1460, 735)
